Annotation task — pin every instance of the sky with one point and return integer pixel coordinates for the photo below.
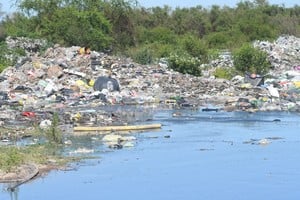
(6, 4)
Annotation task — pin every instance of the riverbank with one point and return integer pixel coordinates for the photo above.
(33, 154)
(22, 163)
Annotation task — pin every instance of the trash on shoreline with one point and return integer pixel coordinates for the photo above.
(62, 80)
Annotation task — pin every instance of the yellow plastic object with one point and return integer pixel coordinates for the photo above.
(297, 84)
(37, 65)
(77, 116)
(81, 51)
(246, 86)
(21, 102)
(118, 128)
(265, 99)
(91, 83)
(81, 83)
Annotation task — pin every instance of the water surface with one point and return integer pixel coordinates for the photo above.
(196, 155)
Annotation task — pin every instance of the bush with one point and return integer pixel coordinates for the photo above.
(148, 53)
(162, 35)
(10, 157)
(193, 45)
(250, 59)
(4, 61)
(184, 63)
(161, 50)
(225, 73)
(218, 40)
(9, 56)
(213, 54)
(143, 55)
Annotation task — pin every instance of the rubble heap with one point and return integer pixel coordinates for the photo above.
(61, 79)
(283, 53)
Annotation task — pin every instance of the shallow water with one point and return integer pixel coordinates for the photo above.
(197, 155)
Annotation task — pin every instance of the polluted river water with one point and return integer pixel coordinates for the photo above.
(196, 155)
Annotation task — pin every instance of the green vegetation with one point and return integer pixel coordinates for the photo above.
(44, 152)
(250, 59)
(225, 73)
(12, 156)
(142, 55)
(9, 56)
(4, 61)
(53, 133)
(184, 63)
(148, 34)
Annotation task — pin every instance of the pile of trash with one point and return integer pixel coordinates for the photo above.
(283, 53)
(89, 87)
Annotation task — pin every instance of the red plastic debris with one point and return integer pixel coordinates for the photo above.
(28, 114)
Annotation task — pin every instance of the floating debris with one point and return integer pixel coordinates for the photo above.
(206, 149)
(263, 142)
(82, 151)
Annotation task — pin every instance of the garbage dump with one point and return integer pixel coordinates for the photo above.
(99, 89)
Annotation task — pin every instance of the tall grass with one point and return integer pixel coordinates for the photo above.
(53, 133)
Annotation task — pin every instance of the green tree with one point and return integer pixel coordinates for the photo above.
(158, 34)
(70, 26)
(218, 40)
(67, 22)
(224, 20)
(160, 16)
(120, 14)
(252, 22)
(214, 17)
(19, 25)
(195, 20)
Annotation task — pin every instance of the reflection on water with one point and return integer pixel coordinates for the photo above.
(240, 155)
(13, 193)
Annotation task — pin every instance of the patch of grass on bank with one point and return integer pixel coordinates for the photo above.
(10, 157)
(13, 156)
(48, 152)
